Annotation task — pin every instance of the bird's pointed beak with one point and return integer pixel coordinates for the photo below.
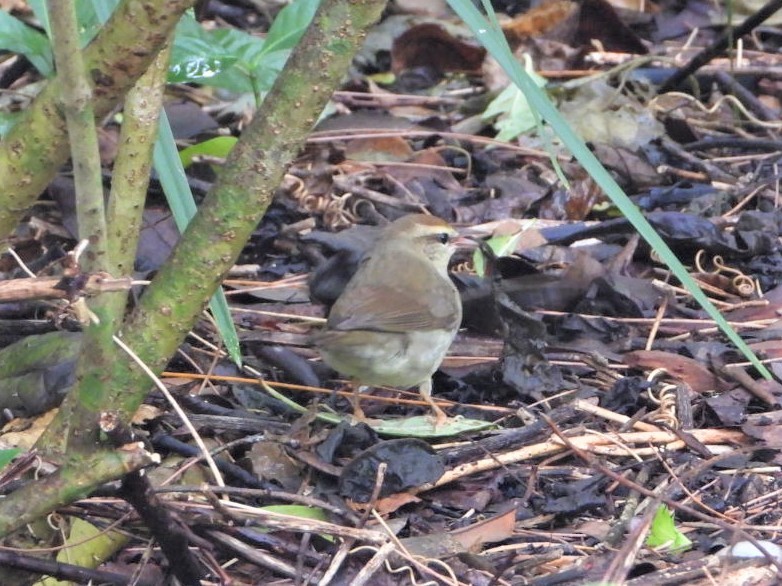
(464, 243)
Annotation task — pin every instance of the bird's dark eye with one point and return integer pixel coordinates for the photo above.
(443, 238)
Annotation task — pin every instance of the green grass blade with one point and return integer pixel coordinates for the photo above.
(174, 181)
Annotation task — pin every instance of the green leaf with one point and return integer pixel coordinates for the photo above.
(664, 533)
(88, 546)
(421, 426)
(301, 511)
(197, 56)
(245, 49)
(500, 245)
(86, 15)
(194, 68)
(235, 60)
(289, 24)
(418, 426)
(219, 146)
(19, 38)
(511, 108)
(7, 455)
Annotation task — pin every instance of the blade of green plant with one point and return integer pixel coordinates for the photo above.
(17, 37)
(301, 511)
(497, 46)
(183, 207)
(421, 426)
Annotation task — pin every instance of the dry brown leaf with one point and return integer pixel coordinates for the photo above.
(430, 45)
(699, 378)
(23, 433)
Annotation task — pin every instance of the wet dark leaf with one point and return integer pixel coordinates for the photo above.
(410, 463)
(345, 440)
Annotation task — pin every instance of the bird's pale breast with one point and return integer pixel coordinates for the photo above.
(401, 360)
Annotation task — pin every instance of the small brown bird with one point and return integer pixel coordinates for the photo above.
(399, 313)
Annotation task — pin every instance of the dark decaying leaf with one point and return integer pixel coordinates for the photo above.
(345, 441)
(572, 498)
(599, 20)
(522, 366)
(680, 193)
(410, 463)
(619, 295)
(625, 395)
(766, 428)
(431, 46)
(729, 408)
(685, 233)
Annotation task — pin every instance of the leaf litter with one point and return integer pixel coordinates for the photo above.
(589, 391)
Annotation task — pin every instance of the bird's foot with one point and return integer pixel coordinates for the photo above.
(438, 417)
(358, 416)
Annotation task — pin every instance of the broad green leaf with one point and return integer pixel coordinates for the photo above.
(421, 426)
(245, 47)
(7, 455)
(86, 16)
(17, 37)
(219, 146)
(500, 245)
(199, 68)
(418, 426)
(289, 24)
(87, 546)
(302, 512)
(197, 56)
(665, 534)
(235, 60)
(511, 108)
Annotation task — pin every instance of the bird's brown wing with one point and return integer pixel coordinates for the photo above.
(393, 310)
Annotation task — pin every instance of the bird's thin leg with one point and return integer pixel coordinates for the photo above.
(355, 401)
(440, 417)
